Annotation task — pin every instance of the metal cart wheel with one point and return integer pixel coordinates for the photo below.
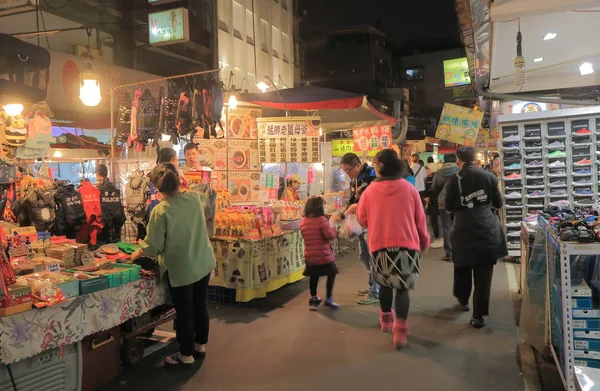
(132, 351)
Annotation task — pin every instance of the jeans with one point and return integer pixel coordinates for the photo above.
(480, 276)
(365, 257)
(191, 324)
(447, 229)
(386, 297)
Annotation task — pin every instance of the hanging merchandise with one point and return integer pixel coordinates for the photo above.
(168, 115)
(40, 206)
(208, 121)
(134, 110)
(184, 119)
(217, 110)
(113, 215)
(197, 114)
(39, 132)
(90, 197)
(16, 133)
(136, 195)
(70, 215)
(11, 195)
(124, 121)
(147, 120)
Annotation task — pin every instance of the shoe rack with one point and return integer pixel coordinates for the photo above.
(547, 157)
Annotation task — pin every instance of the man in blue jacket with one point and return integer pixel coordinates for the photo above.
(362, 175)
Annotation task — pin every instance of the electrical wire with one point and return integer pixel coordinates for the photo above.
(67, 3)
(12, 378)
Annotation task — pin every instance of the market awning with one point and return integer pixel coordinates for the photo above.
(339, 110)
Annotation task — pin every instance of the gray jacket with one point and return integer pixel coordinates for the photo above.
(440, 179)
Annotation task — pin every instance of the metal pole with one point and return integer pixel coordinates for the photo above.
(112, 134)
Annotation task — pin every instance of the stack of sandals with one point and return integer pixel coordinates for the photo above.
(579, 231)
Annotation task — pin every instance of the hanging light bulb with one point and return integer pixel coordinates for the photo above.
(89, 87)
(233, 101)
(13, 109)
(520, 74)
(262, 86)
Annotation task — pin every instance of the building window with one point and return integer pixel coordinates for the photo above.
(224, 12)
(264, 34)
(238, 20)
(413, 74)
(249, 27)
(276, 42)
(285, 49)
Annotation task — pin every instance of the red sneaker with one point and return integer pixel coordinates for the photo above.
(514, 175)
(583, 162)
(583, 131)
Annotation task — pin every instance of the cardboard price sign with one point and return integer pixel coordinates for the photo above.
(372, 138)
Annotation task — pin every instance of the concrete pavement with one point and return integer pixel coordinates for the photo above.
(281, 345)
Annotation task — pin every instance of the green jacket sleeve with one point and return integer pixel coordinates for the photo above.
(154, 242)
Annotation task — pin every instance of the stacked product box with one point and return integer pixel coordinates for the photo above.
(586, 327)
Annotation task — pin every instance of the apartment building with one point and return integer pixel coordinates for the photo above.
(257, 38)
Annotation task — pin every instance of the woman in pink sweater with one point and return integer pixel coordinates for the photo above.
(318, 254)
(392, 211)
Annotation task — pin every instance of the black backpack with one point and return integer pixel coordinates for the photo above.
(147, 117)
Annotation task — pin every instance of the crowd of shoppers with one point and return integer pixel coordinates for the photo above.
(388, 199)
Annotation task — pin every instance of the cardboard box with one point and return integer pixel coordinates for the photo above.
(17, 295)
(15, 309)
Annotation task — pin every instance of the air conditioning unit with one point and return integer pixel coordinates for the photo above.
(81, 51)
(17, 6)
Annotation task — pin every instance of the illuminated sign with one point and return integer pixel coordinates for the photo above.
(168, 27)
(456, 72)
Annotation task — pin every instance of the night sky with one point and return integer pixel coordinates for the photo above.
(402, 20)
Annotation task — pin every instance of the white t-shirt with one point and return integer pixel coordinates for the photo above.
(420, 176)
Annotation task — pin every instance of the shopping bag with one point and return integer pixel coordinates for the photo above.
(351, 228)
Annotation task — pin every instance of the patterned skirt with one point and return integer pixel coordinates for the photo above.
(396, 267)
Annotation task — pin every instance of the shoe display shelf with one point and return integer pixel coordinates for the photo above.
(547, 157)
(572, 320)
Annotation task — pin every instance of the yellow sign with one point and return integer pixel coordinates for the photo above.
(169, 27)
(456, 72)
(459, 125)
(342, 147)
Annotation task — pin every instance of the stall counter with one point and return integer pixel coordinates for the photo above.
(29, 333)
(254, 268)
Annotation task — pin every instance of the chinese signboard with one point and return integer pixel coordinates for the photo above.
(372, 138)
(342, 147)
(294, 140)
(459, 124)
(243, 155)
(169, 27)
(242, 123)
(213, 153)
(456, 72)
(244, 185)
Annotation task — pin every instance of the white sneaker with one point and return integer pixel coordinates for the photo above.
(437, 243)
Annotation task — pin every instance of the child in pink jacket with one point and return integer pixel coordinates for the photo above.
(392, 211)
(318, 254)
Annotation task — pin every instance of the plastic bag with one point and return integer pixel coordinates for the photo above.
(351, 228)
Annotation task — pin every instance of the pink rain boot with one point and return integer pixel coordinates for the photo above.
(400, 333)
(386, 320)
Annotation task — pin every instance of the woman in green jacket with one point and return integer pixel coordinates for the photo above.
(177, 234)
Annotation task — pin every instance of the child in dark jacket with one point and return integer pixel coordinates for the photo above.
(318, 254)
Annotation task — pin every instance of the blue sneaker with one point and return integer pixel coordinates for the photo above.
(331, 304)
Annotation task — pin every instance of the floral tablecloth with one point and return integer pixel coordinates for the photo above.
(29, 333)
(254, 268)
